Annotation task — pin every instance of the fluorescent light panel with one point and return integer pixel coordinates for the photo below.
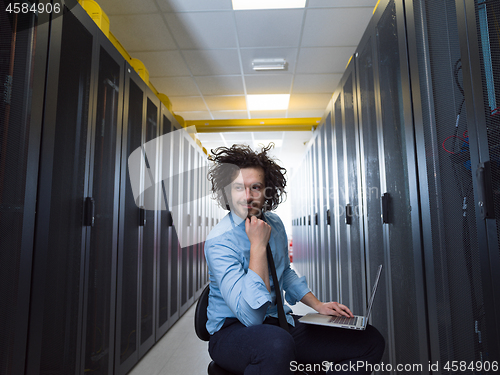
(267, 4)
(269, 64)
(268, 102)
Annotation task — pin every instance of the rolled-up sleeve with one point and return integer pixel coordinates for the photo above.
(295, 287)
(244, 292)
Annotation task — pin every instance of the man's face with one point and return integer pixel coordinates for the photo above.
(247, 192)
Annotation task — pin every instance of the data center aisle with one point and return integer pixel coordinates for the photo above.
(179, 352)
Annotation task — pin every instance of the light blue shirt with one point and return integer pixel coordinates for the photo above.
(235, 290)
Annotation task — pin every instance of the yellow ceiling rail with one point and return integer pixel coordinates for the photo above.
(255, 125)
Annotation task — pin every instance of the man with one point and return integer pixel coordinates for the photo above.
(246, 337)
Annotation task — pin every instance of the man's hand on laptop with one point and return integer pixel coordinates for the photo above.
(326, 308)
(334, 308)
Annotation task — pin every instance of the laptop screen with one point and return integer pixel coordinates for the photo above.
(374, 289)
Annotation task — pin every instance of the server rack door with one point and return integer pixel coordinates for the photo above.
(332, 208)
(296, 202)
(452, 239)
(200, 221)
(316, 238)
(325, 279)
(184, 230)
(481, 64)
(340, 215)
(148, 257)
(205, 218)
(310, 238)
(192, 222)
(306, 226)
(174, 198)
(102, 251)
(305, 238)
(402, 261)
(295, 191)
(356, 253)
(130, 228)
(23, 44)
(164, 227)
(56, 316)
(370, 154)
(302, 239)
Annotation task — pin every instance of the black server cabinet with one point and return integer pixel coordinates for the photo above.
(458, 278)
(341, 199)
(148, 256)
(174, 197)
(184, 229)
(481, 71)
(354, 274)
(406, 329)
(370, 154)
(130, 230)
(322, 212)
(332, 208)
(103, 200)
(136, 282)
(165, 227)
(56, 313)
(23, 51)
(315, 237)
(310, 262)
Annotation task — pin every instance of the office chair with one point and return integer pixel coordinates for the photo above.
(200, 321)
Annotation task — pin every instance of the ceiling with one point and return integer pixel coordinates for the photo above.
(199, 53)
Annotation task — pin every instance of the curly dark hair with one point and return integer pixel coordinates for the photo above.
(229, 160)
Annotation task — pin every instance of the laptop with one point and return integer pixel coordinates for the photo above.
(357, 322)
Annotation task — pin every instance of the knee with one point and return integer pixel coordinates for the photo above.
(276, 345)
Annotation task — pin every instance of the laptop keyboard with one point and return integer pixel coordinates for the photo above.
(344, 320)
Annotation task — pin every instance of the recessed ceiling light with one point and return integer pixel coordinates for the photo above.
(267, 4)
(268, 102)
(269, 64)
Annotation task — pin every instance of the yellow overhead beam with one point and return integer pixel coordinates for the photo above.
(255, 125)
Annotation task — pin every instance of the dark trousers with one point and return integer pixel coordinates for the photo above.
(269, 349)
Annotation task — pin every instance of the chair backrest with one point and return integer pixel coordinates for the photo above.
(200, 315)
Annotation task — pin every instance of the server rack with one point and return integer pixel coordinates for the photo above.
(165, 226)
(101, 254)
(88, 271)
(427, 146)
(332, 258)
(316, 259)
(61, 239)
(456, 243)
(354, 280)
(23, 46)
(132, 222)
(322, 210)
(403, 261)
(481, 63)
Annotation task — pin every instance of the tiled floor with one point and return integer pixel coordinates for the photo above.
(181, 352)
